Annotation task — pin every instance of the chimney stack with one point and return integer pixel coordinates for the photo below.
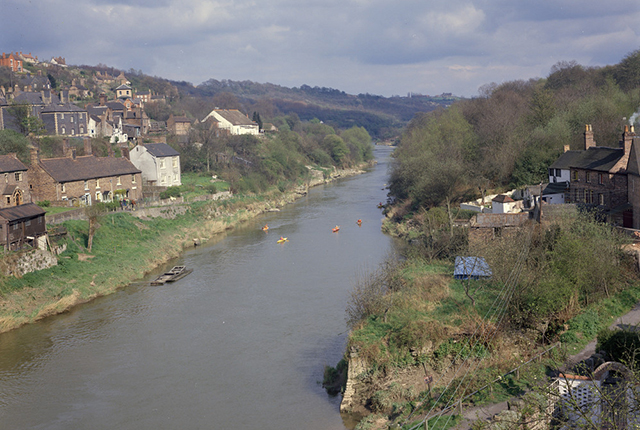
(627, 139)
(34, 155)
(588, 137)
(73, 153)
(124, 150)
(103, 99)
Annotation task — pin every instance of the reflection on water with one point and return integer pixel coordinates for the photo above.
(240, 343)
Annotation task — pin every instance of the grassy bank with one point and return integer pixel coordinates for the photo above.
(411, 319)
(125, 249)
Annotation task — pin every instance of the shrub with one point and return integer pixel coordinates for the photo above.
(170, 192)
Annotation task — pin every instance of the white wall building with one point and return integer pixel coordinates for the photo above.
(234, 121)
(159, 163)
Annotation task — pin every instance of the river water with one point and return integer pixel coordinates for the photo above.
(240, 343)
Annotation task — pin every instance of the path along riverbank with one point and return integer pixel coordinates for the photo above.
(91, 275)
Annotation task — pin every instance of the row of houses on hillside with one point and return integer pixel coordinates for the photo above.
(606, 178)
(75, 180)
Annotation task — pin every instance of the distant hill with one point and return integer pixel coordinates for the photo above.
(383, 117)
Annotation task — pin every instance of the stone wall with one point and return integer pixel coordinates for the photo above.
(27, 262)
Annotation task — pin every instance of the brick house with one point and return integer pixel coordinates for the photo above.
(598, 177)
(21, 224)
(82, 180)
(11, 61)
(159, 163)
(13, 181)
(178, 125)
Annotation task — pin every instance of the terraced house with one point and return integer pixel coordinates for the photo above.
(83, 180)
(603, 177)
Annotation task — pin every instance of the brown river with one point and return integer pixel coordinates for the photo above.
(240, 343)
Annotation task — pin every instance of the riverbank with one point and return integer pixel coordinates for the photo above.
(127, 248)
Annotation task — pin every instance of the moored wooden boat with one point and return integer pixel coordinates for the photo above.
(177, 272)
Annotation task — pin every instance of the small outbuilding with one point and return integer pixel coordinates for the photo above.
(471, 268)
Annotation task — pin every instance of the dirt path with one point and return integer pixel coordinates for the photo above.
(629, 320)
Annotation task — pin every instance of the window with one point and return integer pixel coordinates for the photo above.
(574, 175)
(558, 172)
(61, 116)
(18, 176)
(162, 164)
(86, 185)
(175, 161)
(98, 183)
(601, 199)
(588, 176)
(73, 131)
(71, 119)
(118, 181)
(15, 226)
(27, 223)
(6, 178)
(600, 178)
(133, 179)
(63, 131)
(63, 188)
(8, 200)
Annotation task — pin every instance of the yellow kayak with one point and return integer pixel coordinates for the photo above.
(283, 240)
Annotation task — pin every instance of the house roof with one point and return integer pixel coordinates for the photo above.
(35, 97)
(67, 169)
(471, 267)
(123, 87)
(595, 158)
(555, 188)
(161, 150)
(9, 163)
(9, 189)
(181, 119)
(234, 116)
(28, 210)
(66, 107)
(502, 198)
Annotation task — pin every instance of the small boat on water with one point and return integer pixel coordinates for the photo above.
(283, 240)
(335, 229)
(265, 228)
(177, 272)
(359, 222)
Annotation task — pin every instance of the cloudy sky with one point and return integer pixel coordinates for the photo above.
(359, 46)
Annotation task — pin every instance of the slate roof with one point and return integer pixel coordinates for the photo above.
(28, 210)
(471, 267)
(34, 98)
(9, 189)
(66, 107)
(555, 188)
(161, 150)
(595, 158)
(123, 87)
(86, 167)
(9, 163)
(235, 117)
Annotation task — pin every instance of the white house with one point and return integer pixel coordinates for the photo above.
(159, 163)
(234, 121)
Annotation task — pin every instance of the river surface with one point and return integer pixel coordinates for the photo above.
(240, 343)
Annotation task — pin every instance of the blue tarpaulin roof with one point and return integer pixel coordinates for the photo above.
(471, 268)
